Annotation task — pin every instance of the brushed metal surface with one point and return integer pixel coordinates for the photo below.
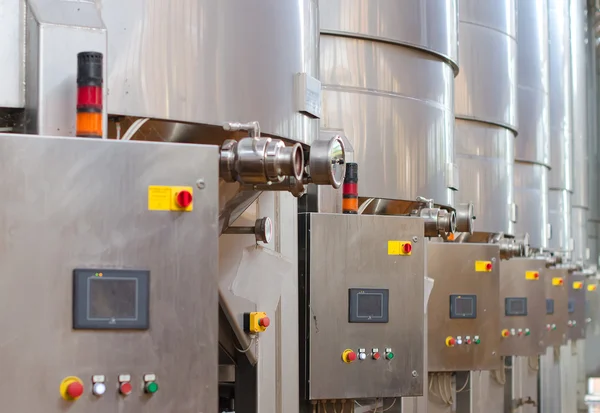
(560, 295)
(485, 393)
(350, 251)
(183, 61)
(55, 33)
(524, 384)
(560, 95)
(578, 32)
(514, 284)
(533, 144)
(579, 234)
(84, 203)
(484, 154)
(488, 50)
(559, 218)
(550, 381)
(431, 25)
(395, 105)
(592, 240)
(577, 297)
(452, 266)
(12, 53)
(531, 198)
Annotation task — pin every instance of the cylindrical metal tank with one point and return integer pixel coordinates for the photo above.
(532, 147)
(561, 126)
(387, 69)
(486, 112)
(210, 62)
(580, 200)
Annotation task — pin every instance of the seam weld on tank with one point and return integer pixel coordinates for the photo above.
(387, 70)
(486, 112)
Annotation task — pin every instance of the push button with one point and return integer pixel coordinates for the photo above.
(348, 356)
(71, 388)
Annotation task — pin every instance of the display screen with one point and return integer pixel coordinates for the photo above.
(516, 306)
(571, 306)
(112, 298)
(369, 305)
(463, 306)
(549, 306)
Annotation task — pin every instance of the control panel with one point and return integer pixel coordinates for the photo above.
(557, 296)
(463, 307)
(524, 307)
(108, 299)
(362, 306)
(576, 307)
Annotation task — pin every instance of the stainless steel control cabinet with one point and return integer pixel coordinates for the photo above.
(84, 204)
(463, 308)
(361, 281)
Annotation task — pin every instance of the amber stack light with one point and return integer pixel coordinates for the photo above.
(89, 94)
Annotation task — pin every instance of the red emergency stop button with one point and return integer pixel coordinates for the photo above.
(488, 266)
(75, 390)
(264, 322)
(125, 389)
(450, 341)
(71, 388)
(407, 248)
(348, 356)
(184, 198)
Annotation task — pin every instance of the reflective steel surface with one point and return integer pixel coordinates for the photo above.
(395, 105)
(580, 115)
(579, 233)
(484, 155)
(486, 112)
(205, 61)
(559, 217)
(531, 197)
(561, 94)
(488, 50)
(426, 24)
(533, 144)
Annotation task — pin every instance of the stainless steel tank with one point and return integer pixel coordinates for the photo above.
(209, 62)
(580, 200)
(387, 69)
(486, 112)
(561, 126)
(532, 148)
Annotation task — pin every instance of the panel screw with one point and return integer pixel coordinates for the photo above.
(415, 239)
(200, 183)
(414, 372)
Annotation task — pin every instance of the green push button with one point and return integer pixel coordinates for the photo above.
(389, 355)
(151, 387)
(477, 341)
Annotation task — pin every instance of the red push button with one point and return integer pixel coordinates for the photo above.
(184, 199)
(407, 248)
(488, 266)
(125, 389)
(376, 356)
(264, 322)
(75, 390)
(348, 356)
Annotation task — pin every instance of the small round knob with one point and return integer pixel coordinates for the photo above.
(184, 198)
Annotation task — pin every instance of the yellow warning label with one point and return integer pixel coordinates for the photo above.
(557, 281)
(159, 198)
(592, 287)
(483, 266)
(394, 247)
(532, 275)
(577, 285)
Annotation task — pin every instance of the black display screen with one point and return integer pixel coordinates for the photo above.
(516, 306)
(369, 305)
(571, 306)
(549, 306)
(463, 306)
(112, 298)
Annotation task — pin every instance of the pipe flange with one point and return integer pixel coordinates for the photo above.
(465, 218)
